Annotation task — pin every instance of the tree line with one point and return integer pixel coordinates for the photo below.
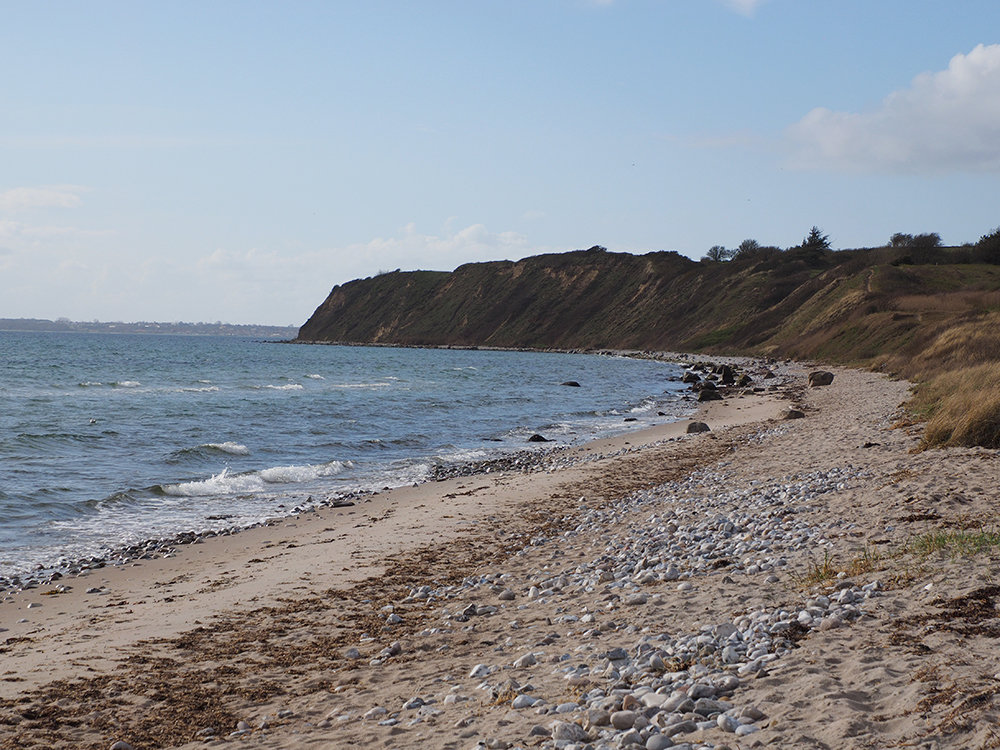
(915, 249)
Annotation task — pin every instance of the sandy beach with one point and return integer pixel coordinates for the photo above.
(758, 585)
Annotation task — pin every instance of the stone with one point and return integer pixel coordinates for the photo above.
(536, 438)
(709, 395)
(478, 671)
(571, 384)
(623, 719)
(791, 414)
(820, 377)
(506, 596)
(525, 661)
(727, 723)
(121, 745)
(659, 742)
(696, 427)
(567, 730)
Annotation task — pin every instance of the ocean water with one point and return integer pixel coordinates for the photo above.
(108, 440)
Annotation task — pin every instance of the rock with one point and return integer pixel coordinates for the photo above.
(525, 661)
(623, 719)
(393, 619)
(727, 723)
(791, 414)
(725, 373)
(506, 596)
(536, 438)
(539, 731)
(636, 599)
(820, 377)
(121, 745)
(567, 730)
(696, 427)
(571, 384)
(375, 713)
(709, 395)
(522, 701)
(744, 381)
(681, 727)
(352, 653)
(690, 377)
(753, 713)
(659, 742)
(478, 671)
(616, 654)
(596, 717)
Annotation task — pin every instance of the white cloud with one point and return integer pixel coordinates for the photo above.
(268, 285)
(947, 121)
(745, 7)
(19, 199)
(16, 230)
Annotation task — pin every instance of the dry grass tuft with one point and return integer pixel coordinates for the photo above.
(963, 406)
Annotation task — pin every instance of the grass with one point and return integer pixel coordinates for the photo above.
(962, 407)
(950, 542)
(954, 542)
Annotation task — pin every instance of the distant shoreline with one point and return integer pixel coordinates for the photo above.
(35, 325)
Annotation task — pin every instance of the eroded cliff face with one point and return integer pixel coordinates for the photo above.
(847, 306)
(583, 299)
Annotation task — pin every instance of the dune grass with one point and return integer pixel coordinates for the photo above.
(962, 407)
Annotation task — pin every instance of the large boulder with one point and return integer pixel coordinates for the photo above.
(820, 377)
(709, 395)
(690, 377)
(696, 427)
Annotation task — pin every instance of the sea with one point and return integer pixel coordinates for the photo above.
(109, 440)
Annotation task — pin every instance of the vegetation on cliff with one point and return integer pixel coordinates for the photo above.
(913, 308)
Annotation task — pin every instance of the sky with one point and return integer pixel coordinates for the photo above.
(233, 161)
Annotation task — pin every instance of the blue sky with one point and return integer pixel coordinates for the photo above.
(235, 160)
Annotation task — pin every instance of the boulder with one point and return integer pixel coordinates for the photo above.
(709, 395)
(690, 377)
(571, 384)
(536, 438)
(725, 373)
(820, 377)
(791, 414)
(744, 381)
(695, 427)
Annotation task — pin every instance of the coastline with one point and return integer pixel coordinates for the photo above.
(261, 624)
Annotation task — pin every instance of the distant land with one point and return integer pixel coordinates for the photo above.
(912, 308)
(64, 325)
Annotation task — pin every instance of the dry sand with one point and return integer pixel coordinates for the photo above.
(256, 627)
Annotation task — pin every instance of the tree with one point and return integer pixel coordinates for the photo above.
(816, 240)
(717, 254)
(932, 239)
(901, 240)
(746, 249)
